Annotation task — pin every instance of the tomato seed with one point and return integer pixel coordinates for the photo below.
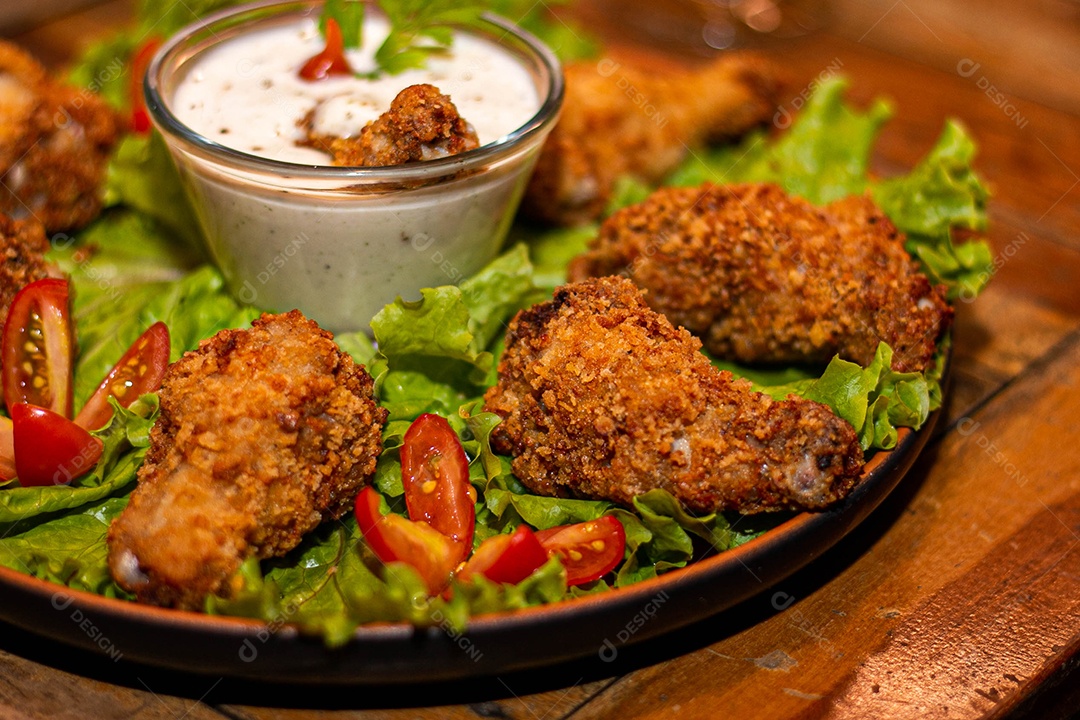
(429, 487)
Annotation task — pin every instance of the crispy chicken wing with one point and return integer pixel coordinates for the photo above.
(421, 124)
(763, 277)
(620, 118)
(601, 397)
(55, 141)
(263, 434)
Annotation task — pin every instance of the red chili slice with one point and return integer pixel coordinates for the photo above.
(588, 550)
(435, 473)
(394, 539)
(140, 370)
(331, 59)
(506, 558)
(49, 448)
(38, 348)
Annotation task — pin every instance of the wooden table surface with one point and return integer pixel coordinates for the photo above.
(960, 595)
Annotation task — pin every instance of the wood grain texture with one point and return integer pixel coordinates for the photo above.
(43, 680)
(58, 43)
(1025, 50)
(960, 596)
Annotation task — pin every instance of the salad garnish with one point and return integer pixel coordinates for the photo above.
(40, 443)
(436, 355)
(418, 30)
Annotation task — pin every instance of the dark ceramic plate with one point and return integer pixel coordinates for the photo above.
(494, 644)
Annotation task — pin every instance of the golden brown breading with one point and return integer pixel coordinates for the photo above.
(602, 397)
(763, 277)
(263, 434)
(620, 118)
(421, 124)
(55, 141)
(22, 259)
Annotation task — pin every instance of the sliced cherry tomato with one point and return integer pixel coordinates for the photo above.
(7, 449)
(506, 558)
(331, 59)
(38, 350)
(139, 371)
(49, 448)
(394, 539)
(435, 472)
(588, 550)
(140, 61)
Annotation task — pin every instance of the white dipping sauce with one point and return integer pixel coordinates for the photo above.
(339, 244)
(246, 93)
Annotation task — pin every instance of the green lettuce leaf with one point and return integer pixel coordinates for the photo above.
(445, 335)
(876, 400)
(128, 273)
(940, 195)
(103, 69)
(69, 550)
(824, 155)
(194, 307)
(124, 441)
(142, 177)
(164, 17)
(330, 585)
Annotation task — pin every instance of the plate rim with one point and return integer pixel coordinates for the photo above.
(386, 652)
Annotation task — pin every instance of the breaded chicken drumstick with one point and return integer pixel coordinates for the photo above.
(602, 397)
(621, 117)
(421, 124)
(263, 434)
(763, 277)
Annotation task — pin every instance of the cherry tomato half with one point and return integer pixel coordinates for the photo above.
(588, 550)
(38, 349)
(435, 472)
(7, 449)
(506, 558)
(331, 59)
(140, 370)
(49, 448)
(394, 539)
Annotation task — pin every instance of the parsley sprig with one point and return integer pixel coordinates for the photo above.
(418, 29)
(350, 18)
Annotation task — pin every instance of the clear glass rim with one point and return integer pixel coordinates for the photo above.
(496, 29)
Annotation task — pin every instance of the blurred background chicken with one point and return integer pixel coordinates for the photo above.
(623, 116)
(55, 141)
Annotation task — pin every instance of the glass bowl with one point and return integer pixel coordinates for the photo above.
(338, 243)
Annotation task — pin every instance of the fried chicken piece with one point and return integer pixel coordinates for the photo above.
(619, 119)
(22, 259)
(263, 434)
(55, 141)
(763, 277)
(602, 397)
(421, 124)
